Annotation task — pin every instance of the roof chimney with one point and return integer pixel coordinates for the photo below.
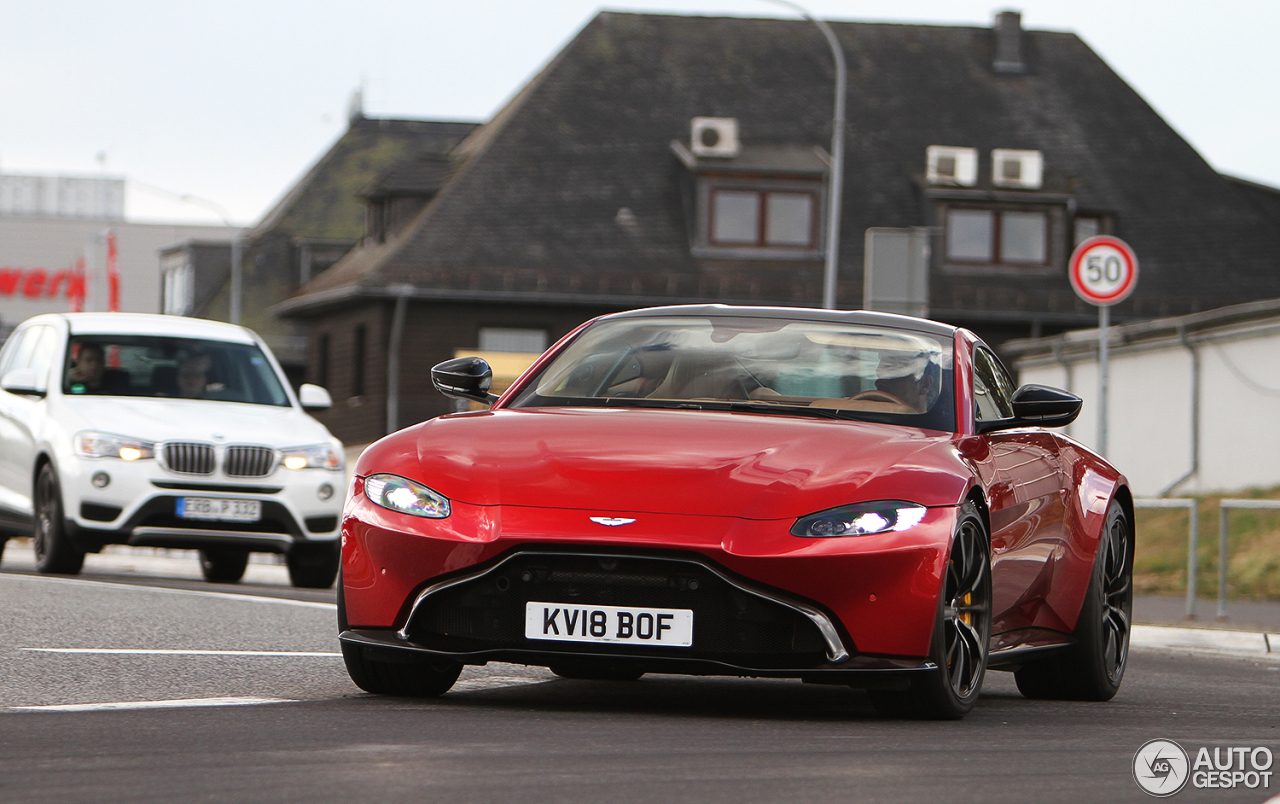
(1008, 31)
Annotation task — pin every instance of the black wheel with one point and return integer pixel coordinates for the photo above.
(314, 566)
(596, 671)
(1094, 666)
(54, 551)
(960, 634)
(415, 679)
(223, 564)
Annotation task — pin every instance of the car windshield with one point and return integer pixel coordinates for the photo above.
(813, 368)
(161, 366)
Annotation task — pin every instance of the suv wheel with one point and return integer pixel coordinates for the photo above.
(224, 564)
(54, 551)
(314, 566)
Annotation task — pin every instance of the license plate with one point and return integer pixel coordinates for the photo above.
(219, 509)
(608, 624)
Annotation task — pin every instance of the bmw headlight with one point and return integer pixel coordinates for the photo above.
(319, 456)
(862, 519)
(403, 495)
(105, 445)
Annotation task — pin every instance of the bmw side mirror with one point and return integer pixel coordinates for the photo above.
(464, 378)
(22, 381)
(313, 397)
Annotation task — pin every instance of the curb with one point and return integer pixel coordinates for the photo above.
(1253, 644)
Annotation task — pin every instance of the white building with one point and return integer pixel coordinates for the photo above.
(48, 224)
(1193, 402)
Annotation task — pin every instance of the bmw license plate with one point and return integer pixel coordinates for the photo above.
(219, 509)
(608, 624)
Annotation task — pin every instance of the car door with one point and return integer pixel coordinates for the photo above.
(1028, 506)
(19, 419)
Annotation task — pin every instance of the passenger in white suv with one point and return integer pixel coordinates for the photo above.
(163, 431)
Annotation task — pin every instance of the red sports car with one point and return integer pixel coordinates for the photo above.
(841, 497)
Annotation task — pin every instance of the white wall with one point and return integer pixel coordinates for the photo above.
(1149, 422)
(54, 244)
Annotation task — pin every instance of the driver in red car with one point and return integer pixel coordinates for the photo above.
(913, 378)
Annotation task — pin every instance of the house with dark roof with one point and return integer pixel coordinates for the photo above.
(319, 219)
(670, 159)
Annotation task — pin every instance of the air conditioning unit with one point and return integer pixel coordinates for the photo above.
(715, 136)
(1021, 169)
(948, 164)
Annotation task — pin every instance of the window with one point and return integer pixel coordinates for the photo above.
(997, 236)
(1087, 227)
(992, 388)
(510, 339)
(763, 218)
(178, 289)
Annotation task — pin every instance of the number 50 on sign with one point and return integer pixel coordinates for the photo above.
(1103, 270)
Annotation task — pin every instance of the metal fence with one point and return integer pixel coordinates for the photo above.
(1193, 540)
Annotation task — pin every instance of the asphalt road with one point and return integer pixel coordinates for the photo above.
(292, 727)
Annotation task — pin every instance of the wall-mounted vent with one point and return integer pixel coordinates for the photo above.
(1021, 169)
(714, 136)
(948, 164)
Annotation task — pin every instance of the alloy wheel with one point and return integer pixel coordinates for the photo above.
(966, 614)
(1117, 598)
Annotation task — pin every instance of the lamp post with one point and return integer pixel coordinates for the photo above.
(837, 158)
(236, 244)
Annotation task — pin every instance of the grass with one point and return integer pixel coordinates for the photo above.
(1253, 542)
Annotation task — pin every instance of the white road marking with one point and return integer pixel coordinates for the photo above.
(165, 590)
(171, 704)
(159, 652)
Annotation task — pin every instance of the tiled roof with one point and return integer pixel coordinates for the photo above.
(535, 209)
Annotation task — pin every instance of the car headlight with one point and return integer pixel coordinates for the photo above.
(403, 495)
(862, 519)
(319, 456)
(105, 445)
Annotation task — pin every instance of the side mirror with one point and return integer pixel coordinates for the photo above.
(464, 378)
(22, 381)
(313, 397)
(1038, 406)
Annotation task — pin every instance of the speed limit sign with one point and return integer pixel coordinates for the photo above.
(1104, 270)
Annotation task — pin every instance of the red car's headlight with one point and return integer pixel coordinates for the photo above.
(862, 519)
(405, 496)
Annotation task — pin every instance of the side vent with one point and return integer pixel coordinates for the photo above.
(714, 136)
(948, 164)
(1021, 169)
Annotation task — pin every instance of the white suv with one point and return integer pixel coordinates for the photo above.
(121, 428)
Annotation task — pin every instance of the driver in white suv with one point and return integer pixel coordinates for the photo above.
(163, 431)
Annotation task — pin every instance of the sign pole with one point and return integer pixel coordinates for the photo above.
(1104, 344)
(1103, 271)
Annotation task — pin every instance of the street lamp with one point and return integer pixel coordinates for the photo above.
(236, 245)
(837, 159)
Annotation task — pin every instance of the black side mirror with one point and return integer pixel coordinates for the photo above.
(464, 378)
(1038, 406)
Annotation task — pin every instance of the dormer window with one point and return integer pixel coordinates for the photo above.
(765, 202)
(763, 218)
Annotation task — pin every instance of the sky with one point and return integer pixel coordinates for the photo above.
(228, 103)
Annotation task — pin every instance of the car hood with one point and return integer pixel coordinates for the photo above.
(758, 466)
(195, 420)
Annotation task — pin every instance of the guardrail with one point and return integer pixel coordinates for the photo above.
(1193, 544)
(1227, 505)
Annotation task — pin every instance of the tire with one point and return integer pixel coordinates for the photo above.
(314, 566)
(961, 633)
(416, 679)
(2, 543)
(223, 564)
(597, 671)
(54, 551)
(1094, 667)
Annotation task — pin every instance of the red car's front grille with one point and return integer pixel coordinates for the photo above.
(729, 623)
